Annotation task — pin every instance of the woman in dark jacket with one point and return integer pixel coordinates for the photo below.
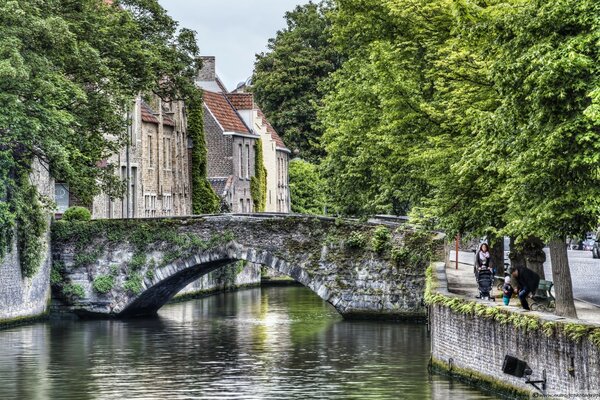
(528, 282)
(482, 258)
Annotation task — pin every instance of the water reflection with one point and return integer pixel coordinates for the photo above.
(260, 343)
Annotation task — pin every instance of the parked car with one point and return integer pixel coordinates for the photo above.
(588, 244)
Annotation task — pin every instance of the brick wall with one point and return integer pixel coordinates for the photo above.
(478, 344)
(220, 157)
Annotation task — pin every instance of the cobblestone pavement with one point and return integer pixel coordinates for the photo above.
(585, 273)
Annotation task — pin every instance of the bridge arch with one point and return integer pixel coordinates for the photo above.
(172, 278)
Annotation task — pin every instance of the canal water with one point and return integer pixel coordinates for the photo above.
(265, 343)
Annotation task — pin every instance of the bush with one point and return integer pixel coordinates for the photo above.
(356, 240)
(381, 239)
(77, 214)
(75, 291)
(134, 283)
(104, 283)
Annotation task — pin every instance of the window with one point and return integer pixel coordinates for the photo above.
(167, 203)
(150, 205)
(150, 155)
(242, 206)
(249, 207)
(247, 161)
(61, 197)
(241, 161)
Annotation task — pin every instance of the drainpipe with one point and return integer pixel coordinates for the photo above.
(127, 162)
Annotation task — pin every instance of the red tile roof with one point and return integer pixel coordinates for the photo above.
(224, 112)
(148, 114)
(274, 135)
(241, 101)
(167, 120)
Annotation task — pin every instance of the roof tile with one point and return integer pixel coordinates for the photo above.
(224, 112)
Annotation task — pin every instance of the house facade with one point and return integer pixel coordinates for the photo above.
(276, 155)
(154, 166)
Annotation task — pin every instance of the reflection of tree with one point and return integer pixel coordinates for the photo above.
(269, 342)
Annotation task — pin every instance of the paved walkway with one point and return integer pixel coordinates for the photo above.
(462, 281)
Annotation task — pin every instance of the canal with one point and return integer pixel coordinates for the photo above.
(264, 343)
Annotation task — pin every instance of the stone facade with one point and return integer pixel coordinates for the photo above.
(22, 298)
(469, 345)
(357, 281)
(155, 166)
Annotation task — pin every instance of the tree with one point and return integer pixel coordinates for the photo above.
(307, 189)
(69, 72)
(287, 76)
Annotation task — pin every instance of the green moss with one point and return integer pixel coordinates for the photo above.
(73, 291)
(481, 381)
(104, 283)
(137, 261)
(356, 240)
(133, 283)
(381, 239)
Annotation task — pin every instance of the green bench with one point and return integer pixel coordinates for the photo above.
(543, 299)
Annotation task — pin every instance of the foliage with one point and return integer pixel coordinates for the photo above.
(258, 182)
(69, 73)
(307, 189)
(73, 291)
(133, 283)
(77, 214)
(137, 261)
(356, 240)
(204, 198)
(287, 76)
(381, 239)
(103, 283)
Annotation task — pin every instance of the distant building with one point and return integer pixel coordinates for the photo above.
(253, 125)
(154, 166)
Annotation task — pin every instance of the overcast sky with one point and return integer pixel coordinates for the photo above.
(232, 30)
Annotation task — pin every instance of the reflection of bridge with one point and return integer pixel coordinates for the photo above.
(133, 267)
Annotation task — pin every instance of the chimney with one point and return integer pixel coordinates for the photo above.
(207, 73)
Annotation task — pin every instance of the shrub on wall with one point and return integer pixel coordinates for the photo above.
(258, 183)
(204, 198)
(104, 283)
(77, 214)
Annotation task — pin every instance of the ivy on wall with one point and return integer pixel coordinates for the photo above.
(22, 213)
(204, 198)
(258, 183)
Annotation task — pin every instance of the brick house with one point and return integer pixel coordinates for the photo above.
(224, 140)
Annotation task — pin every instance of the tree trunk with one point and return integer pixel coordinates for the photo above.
(563, 287)
(497, 255)
(533, 250)
(516, 256)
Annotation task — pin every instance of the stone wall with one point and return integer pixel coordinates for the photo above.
(333, 258)
(22, 298)
(474, 347)
(246, 275)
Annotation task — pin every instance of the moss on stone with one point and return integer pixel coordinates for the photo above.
(481, 381)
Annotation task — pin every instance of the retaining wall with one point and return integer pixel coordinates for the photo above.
(24, 298)
(473, 347)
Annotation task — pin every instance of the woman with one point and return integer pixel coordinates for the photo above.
(482, 258)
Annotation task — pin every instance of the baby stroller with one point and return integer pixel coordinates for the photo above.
(485, 281)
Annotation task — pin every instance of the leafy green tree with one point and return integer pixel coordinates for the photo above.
(287, 76)
(307, 189)
(258, 182)
(69, 72)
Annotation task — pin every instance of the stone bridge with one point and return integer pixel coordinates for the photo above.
(124, 268)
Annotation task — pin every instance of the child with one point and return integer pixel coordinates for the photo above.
(507, 290)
